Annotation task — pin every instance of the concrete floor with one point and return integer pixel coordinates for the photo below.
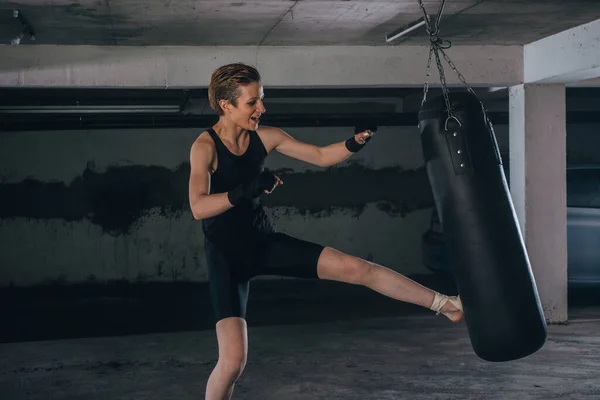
(406, 354)
(415, 357)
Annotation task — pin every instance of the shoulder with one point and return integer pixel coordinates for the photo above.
(271, 136)
(204, 148)
(270, 131)
(204, 142)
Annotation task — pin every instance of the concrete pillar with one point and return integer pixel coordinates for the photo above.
(537, 137)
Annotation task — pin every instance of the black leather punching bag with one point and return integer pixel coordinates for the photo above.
(484, 243)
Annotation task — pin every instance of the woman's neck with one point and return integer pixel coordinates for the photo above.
(228, 130)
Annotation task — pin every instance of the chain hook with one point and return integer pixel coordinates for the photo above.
(452, 117)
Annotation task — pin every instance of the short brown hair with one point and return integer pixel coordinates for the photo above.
(225, 83)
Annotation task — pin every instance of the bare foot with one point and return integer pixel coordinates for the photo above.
(452, 312)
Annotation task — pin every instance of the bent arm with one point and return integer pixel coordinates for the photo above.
(324, 156)
(203, 204)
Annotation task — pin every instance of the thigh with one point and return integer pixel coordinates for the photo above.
(228, 291)
(338, 266)
(284, 255)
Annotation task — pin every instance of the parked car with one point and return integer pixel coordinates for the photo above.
(583, 229)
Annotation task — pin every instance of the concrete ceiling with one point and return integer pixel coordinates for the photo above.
(284, 22)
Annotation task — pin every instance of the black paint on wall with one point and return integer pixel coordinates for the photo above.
(394, 190)
(118, 197)
(114, 199)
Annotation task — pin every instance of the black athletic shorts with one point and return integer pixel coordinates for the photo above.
(231, 268)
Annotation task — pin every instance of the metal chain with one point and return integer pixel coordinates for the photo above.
(445, 91)
(464, 82)
(460, 76)
(427, 74)
(428, 69)
(427, 20)
(438, 45)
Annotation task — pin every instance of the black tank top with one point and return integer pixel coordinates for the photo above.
(248, 217)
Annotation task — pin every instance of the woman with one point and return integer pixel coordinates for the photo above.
(226, 181)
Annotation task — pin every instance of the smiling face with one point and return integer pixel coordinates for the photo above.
(245, 110)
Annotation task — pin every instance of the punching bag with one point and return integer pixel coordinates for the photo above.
(484, 244)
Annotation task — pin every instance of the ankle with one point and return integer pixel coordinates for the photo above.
(437, 302)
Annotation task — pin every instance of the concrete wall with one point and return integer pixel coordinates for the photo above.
(112, 204)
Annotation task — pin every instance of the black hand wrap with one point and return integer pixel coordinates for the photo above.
(250, 190)
(352, 145)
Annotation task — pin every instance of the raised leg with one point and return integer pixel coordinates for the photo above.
(232, 335)
(338, 266)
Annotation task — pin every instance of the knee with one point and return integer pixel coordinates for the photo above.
(232, 365)
(357, 271)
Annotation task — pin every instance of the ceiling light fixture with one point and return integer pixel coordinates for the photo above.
(405, 30)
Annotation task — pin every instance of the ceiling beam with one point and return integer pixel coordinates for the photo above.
(285, 67)
(569, 56)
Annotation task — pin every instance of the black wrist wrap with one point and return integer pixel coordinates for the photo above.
(353, 146)
(235, 195)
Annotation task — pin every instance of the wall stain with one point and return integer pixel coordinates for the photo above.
(114, 199)
(100, 16)
(395, 191)
(119, 197)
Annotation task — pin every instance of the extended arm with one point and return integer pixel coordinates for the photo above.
(324, 156)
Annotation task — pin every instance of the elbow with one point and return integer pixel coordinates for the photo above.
(322, 161)
(325, 163)
(197, 212)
